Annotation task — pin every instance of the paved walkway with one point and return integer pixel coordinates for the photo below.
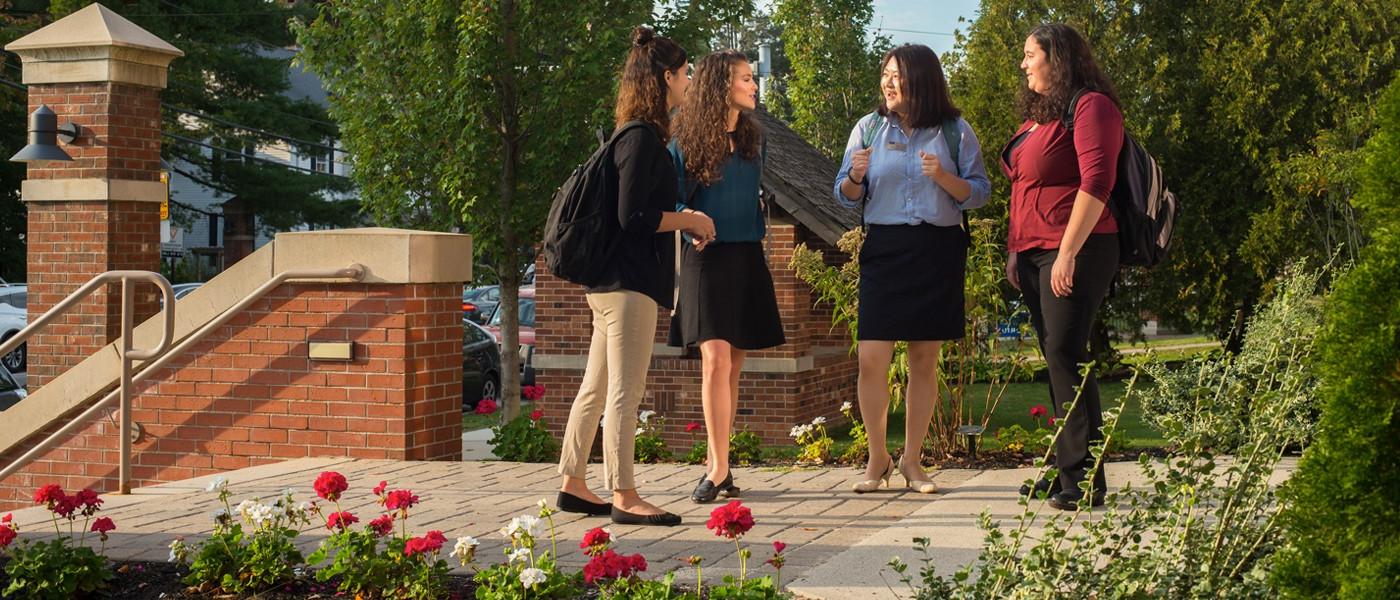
(839, 542)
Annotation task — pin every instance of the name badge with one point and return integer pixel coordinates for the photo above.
(896, 147)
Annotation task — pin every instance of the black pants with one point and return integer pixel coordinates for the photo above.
(1063, 326)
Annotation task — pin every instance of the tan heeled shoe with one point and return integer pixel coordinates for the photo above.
(922, 486)
(870, 485)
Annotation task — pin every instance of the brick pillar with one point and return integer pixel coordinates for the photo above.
(101, 211)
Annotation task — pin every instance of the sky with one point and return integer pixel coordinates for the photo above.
(928, 22)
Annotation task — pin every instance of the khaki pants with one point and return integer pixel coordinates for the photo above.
(624, 328)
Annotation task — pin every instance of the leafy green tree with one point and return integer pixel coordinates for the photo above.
(1343, 537)
(470, 114)
(15, 21)
(835, 75)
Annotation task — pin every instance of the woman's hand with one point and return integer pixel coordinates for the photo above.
(931, 166)
(1062, 275)
(860, 164)
(1011, 274)
(699, 225)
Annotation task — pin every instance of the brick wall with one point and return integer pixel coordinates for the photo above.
(69, 242)
(249, 395)
(770, 402)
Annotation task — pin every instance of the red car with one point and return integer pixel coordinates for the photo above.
(527, 332)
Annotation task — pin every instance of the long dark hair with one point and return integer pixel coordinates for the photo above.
(700, 123)
(641, 95)
(1072, 68)
(922, 85)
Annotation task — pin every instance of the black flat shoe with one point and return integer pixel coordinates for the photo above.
(1072, 500)
(1042, 486)
(622, 517)
(570, 503)
(725, 491)
(707, 490)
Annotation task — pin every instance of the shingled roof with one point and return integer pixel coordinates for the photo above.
(801, 180)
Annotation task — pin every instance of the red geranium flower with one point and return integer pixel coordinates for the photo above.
(382, 526)
(486, 406)
(341, 520)
(379, 489)
(611, 565)
(778, 547)
(692, 427)
(1038, 411)
(430, 542)
(49, 495)
(66, 507)
(400, 500)
(7, 533)
(330, 484)
(731, 520)
(103, 525)
(1052, 421)
(595, 541)
(536, 414)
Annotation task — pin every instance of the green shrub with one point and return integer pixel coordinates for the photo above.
(524, 439)
(650, 447)
(745, 448)
(1341, 527)
(55, 570)
(1213, 397)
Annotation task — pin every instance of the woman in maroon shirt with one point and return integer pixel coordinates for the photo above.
(1062, 244)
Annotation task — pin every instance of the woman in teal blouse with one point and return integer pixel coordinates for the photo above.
(727, 304)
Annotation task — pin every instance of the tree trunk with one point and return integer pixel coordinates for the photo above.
(507, 265)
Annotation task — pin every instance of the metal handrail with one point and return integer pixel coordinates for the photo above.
(163, 356)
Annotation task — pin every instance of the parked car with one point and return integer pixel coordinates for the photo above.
(527, 333)
(479, 302)
(14, 315)
(184, 289)
(11, 392)
(481, 365)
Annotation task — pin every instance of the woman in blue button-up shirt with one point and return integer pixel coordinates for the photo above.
(914, 166)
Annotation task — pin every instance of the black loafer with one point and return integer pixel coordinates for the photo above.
(622, 517)
(570, 503)
(1072, 500)
(706, 491)
(1042, 486)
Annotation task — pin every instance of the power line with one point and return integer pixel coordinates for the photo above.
(247, 156)
(944, 33)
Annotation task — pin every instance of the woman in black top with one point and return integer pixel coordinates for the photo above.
(639, 278)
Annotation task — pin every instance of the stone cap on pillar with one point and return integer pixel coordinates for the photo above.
(94, 45)
(388, 255)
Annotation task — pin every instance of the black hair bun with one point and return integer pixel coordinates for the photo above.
(641, 36)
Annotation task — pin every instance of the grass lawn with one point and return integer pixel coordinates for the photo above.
(1014, 409)
(472, 421)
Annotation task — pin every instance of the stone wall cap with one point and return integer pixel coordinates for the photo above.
(388, 255)
(95, 25)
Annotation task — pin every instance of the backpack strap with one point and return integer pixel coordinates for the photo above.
(873, 123)
(1067, 119)
(952, 137)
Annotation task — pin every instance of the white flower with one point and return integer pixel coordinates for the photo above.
(520, 555)
(217, 484)
(523, 525)
(819, 421)
(177, 550)
(532, 577)
(800, 430)
(542, 504)
(846, 406)
(641, 431)
(465, 549)
(646, 415)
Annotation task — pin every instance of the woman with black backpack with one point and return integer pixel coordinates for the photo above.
(1062, 242)
(638, 278)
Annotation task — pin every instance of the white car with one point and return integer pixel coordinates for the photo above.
(14, 315)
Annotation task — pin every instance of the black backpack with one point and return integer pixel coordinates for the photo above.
(1145, 209)
(582, 232)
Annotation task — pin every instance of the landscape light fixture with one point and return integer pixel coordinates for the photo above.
(44, 133)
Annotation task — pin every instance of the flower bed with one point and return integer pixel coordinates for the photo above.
(251, 552)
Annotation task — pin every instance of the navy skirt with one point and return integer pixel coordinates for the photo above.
(911, 283)
(727, 294)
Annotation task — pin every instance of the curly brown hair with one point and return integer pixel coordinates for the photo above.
(1072, 68)
(700, 123)
(641, 95)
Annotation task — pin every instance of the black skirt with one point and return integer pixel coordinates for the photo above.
(727, 294)
(911, 283)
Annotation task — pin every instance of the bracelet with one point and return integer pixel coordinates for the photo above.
(853, 180)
